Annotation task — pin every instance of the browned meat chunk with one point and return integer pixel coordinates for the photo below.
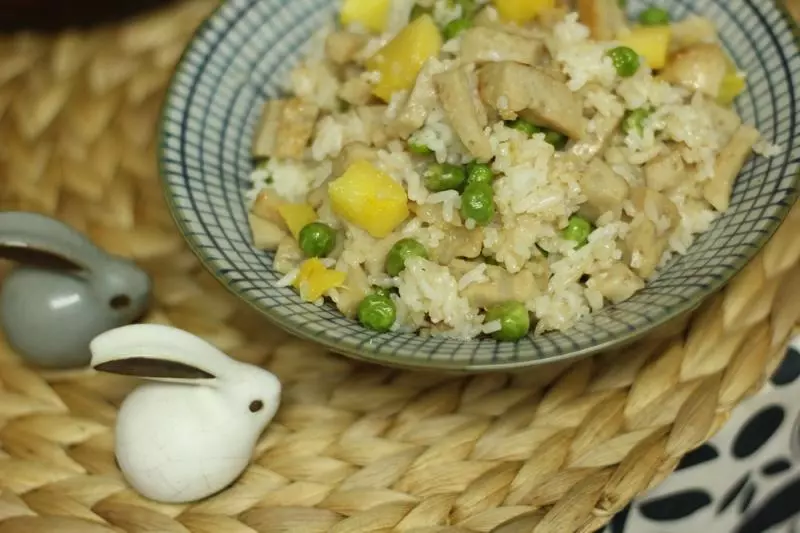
(700, 68)
(501, 287)
(666, 171)
(266, 234)
(294, 119)
(488, 45)
(616, 284)
(605, 191)
(729, 162)
(604, 18)
(513, 89)
(467, 118)
(459, 243)
(414, 112)
(643, 247)
(342, 47)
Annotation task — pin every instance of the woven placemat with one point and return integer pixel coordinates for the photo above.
(355, 448)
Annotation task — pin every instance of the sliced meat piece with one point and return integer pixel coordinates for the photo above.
(288, 255)
(350, 154)
(656, 207)
(294, 119)
(459, 243)
(596, 142)
(690, 31)
(513, 89)
(356, 287)
(266, 235)
(421, 100)
(604, 189)
(616, 284)
(266, 206)
(356, 91)
(342, 47)
(729, 163)
(700, 67)
(726, 120)
(605, 18)
(665, 171)
(468, 120)
(374, 120)
(501, 287)
(643, 247)
(489, 45)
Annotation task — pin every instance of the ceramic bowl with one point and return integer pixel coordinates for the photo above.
(240, 57)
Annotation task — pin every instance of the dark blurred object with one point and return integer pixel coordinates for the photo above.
(52, 15)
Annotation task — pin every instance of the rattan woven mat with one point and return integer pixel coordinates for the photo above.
(354, 448)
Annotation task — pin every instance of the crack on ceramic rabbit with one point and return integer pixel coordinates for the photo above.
(197, 419)
(64, 290)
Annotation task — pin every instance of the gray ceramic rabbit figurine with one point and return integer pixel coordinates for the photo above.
(64, 292)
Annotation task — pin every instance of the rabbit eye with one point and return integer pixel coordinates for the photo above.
(256, 406)
(121, 301)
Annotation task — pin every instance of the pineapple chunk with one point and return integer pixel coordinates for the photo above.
(650, 42)
(371, 14)
(522, 11)
(400, 61)
(314, 280)
(297, 216)
(370, 199)
(733, 84)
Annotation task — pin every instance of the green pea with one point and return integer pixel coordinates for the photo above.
(418, 10)
(479, 173)
(558, 140)
(401, 252)
(455, 27)
(377, 312)
(515, 322)
(625, 60)
(524, 126)
(634, 121)
(444, 177)
(477, 203)
(317, 239)
(578, 230)
(654, 16)
(418, 148)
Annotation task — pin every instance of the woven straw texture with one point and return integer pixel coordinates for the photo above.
(354, 448)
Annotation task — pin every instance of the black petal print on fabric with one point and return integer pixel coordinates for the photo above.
(780, 508)
(757, 431)
(698, 456)
(789, 370)
(620, 520)
(747, 498)
(676, 506)
(778, 466)
(732, 494)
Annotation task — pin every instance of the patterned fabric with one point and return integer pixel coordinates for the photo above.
(746, 480)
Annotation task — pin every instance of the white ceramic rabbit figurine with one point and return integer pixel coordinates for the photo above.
(191, 432)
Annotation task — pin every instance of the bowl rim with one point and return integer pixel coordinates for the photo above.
(402, 362)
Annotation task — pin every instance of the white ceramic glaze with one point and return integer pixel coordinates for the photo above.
(190, 432)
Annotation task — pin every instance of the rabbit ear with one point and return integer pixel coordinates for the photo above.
(37, 240)
(159, 353)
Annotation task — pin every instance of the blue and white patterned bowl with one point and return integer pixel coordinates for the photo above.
(239, 58)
